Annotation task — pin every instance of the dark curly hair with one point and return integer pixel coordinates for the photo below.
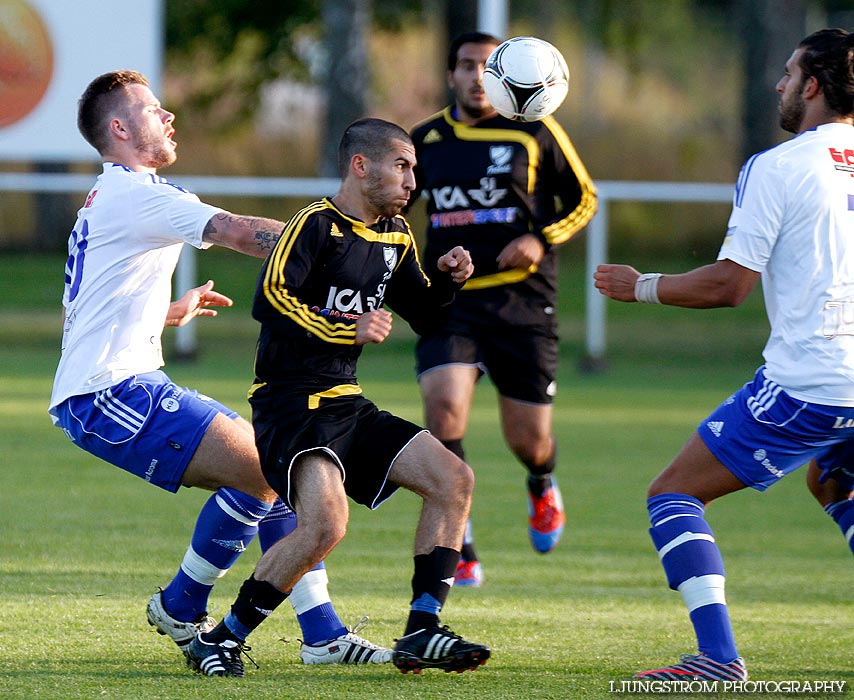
(828, 57)
(468, 38)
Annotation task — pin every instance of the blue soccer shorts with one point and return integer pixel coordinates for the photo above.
(760, 433)
(146, 425)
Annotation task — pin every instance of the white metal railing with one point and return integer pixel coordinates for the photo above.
(597, 231)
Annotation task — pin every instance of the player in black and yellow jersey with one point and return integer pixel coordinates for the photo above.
(510, 192)
(320, 298)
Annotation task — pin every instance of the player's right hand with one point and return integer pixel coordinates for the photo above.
(373, 327)
(616, 281)
(194, 303)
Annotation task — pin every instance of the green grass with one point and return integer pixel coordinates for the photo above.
(86, 544)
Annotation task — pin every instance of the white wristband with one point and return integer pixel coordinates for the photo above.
(646, 288)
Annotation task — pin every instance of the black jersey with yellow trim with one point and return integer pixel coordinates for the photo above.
(324, 272)
(494, 181)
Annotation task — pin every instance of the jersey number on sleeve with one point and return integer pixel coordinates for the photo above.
(76, 257)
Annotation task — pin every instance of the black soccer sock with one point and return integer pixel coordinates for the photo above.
(468, 552)
(255, 601)
(219, 634)
(455, 446)
(540, 475)
(431, 581)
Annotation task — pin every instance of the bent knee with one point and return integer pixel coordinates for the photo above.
(532, 451)
(446, 420)
(457, 482)
(828, 492)
(323, 535)
(464, 476)
(330, 537)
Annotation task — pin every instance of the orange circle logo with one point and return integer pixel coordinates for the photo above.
(26, 60)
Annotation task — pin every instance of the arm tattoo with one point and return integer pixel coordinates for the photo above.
(264, 233)
(213, 229)
(267, 232)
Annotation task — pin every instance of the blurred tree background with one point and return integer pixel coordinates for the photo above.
(665, 90)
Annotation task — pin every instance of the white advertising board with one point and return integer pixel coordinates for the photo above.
(49, 52)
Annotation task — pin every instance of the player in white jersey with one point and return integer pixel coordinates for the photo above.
(791, 224)
(111, 397)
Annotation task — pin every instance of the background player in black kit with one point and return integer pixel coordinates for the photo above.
(319, 300)
(509, 192)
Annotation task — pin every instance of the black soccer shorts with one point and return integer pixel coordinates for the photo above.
(361, 439)
(521, 362)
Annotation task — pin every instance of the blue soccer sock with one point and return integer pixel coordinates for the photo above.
(843, 513)
(694, 567)
(318, 620)
(280, 522)
(316, 615)
(226, 525)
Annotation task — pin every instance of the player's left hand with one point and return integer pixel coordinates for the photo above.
(457, 262)
(196, 302)
(522, 253)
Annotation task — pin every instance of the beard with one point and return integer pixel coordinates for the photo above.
(378, 199)
(154, 151)
(157, 156)
(475, 111)
(792, 113)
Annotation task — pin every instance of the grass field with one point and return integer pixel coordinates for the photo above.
(85, 544)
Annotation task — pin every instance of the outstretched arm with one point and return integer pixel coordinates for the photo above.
(723, 283)
(251, 235)
(195, 303)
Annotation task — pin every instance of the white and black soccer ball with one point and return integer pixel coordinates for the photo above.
(526, 78)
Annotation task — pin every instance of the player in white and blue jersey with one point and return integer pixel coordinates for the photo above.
(791, 224)
(111, 397)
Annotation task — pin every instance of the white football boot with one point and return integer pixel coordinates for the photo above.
(182, 633)
(349, 648)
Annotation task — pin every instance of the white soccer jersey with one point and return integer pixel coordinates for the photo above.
(793, 221)
(122, 253)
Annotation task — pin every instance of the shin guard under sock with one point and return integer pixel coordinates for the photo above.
(226, 526)
(694, 567)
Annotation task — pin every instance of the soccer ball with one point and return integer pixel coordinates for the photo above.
(525, 79)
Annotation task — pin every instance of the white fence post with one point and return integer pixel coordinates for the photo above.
(594, 302)
(186, 345)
